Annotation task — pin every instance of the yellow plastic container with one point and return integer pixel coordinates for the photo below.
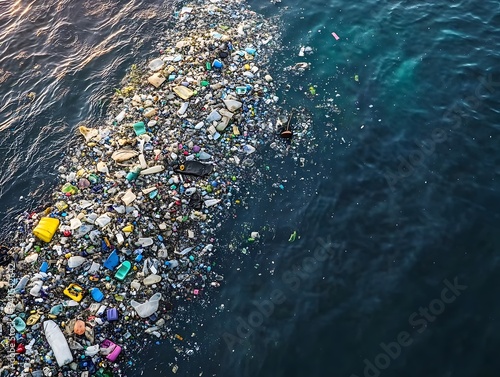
(46, 228)
(74, 292)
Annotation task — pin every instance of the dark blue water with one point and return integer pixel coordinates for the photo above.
(396, 202)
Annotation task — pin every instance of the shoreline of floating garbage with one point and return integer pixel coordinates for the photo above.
(132, 231)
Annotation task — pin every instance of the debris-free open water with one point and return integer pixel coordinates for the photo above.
(398, 201)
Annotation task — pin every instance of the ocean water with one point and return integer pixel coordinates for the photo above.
(396, 204)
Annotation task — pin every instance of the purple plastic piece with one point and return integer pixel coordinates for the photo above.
(115, 349)
(112, 314)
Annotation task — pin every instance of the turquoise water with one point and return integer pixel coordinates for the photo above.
(400, 180)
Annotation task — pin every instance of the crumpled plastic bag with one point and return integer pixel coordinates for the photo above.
(149, 307)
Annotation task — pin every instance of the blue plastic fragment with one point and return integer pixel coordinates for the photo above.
(250, 50)
(217, 64)
(96, 294)
(104, 246)
(112, 261)
(44, 267)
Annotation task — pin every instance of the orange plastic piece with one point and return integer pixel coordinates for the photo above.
(79, 328)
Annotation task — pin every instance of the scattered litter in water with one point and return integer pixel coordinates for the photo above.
(131, 231)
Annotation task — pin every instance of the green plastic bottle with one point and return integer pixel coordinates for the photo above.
(68, 188)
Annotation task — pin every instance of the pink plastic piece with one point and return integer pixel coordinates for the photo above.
(196, 291)
(116, 349)
(335, 36)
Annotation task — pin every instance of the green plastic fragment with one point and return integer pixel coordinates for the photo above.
(69, 188)
(139, 128)
(293, 236)
(93, 178)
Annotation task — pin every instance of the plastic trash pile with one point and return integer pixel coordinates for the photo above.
(130, 232)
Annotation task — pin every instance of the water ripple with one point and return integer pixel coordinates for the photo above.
(56, 64)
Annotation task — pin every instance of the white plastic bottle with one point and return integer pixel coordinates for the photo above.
(120, 116)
